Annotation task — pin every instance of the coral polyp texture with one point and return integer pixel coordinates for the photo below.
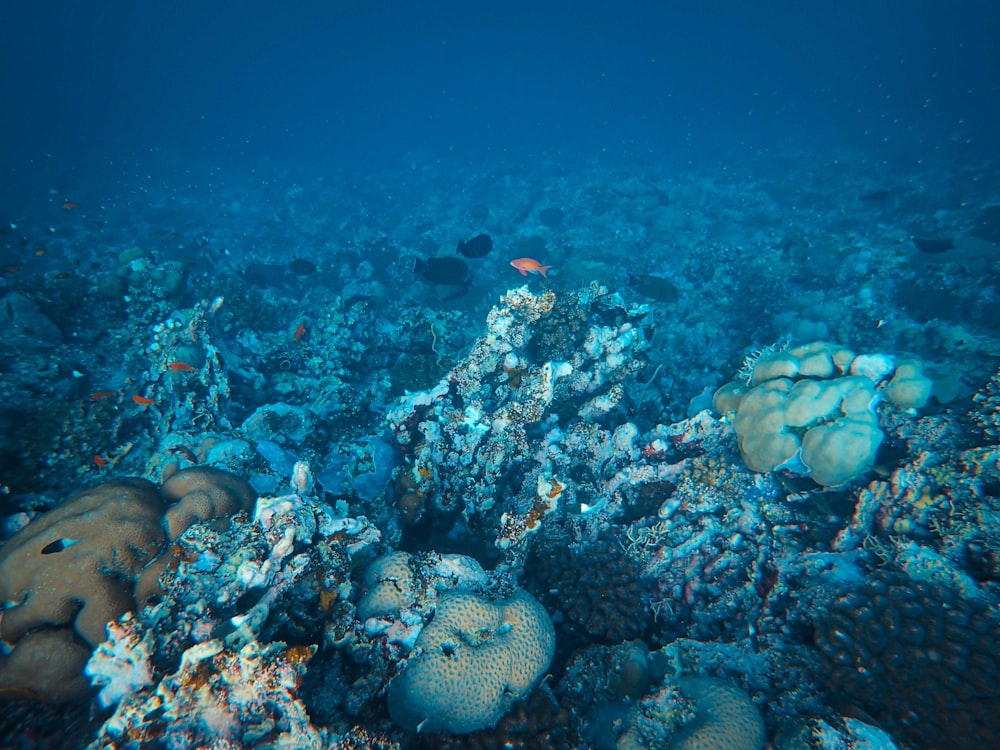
(918, 657)
(724, 718)
(474, 659)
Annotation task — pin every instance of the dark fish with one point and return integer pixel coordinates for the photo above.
(478, 247)
(302, 267)
(933, 246)
(58, 546)
(654, 287)
(451, 271)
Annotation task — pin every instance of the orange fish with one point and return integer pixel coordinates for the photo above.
(529, 265)
(70, 205)
(39, 252)
(300, 332)
(100, 460)
(102, 394)
(142, 400)
(180, 367)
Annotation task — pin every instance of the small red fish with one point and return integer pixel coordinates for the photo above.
(529, 265)
(70, 205)
(100, 461)
(184, 452)
(300, 332)
(180, 367)
(39, 252)
(102, 394)
(142, 400)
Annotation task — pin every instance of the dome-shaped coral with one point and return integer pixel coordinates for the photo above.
(472, 661)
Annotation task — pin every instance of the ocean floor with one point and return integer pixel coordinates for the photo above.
(680, 453)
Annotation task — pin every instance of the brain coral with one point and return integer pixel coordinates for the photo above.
(473, 660)
(391, 586)
(725, 718)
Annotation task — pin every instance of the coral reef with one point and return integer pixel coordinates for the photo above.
(810, 410)
(470, 441)
(203, 662)
(805, 413)
(609, 604)
(383, 602)
(724, 717)
(219, 693)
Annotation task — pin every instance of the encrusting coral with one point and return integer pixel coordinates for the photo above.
(70, 572)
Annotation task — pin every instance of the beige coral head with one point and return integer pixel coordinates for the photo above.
(471, 662)
(70, 572)
(201, 493)
(725, 718)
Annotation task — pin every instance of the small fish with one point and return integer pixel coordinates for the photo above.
(58, 546)
(478, 247)
(933, 245)
(184, 452)
(102, 394)
(142, 400)
(70, 206)
(8, 269)
(39, 252)
(529, 265)
(100, 460)
(62, 275)
(180, 367)
(300, 332)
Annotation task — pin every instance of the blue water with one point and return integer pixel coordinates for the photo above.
(757, 174)
(122, 90)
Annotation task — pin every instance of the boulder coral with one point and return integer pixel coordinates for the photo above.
(808, 412)
(472, 662)
(68, 573)
(725, 718)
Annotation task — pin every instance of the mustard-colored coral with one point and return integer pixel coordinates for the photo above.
(73, 569)
(86, 563)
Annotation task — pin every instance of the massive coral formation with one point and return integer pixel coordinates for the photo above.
(68, 573)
